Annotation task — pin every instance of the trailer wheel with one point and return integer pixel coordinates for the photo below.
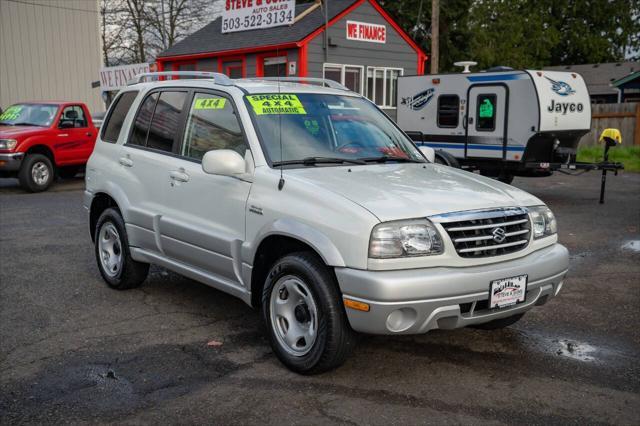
(501, 175)
(443, 157)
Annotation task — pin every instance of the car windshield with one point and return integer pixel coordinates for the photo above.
(29, 115)
(330, 129)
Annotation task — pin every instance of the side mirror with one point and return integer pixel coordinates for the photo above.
(428, 152)
(223, 162)
(66, 125)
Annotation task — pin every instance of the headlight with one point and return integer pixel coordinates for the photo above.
(8, 144)
(544, 222)
(405, 239)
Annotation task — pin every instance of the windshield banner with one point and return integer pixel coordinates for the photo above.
(276, 104)
(11, 113)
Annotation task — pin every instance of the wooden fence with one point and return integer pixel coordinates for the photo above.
(625, 117)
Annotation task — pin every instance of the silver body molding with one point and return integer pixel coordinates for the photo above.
(434, 295)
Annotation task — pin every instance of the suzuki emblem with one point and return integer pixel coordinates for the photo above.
(499, 235)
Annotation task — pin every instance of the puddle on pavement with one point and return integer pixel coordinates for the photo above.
(576, 350)
(566, 348)
(633, 245)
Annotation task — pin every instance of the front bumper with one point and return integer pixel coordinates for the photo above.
(11, 162)
(418, 300)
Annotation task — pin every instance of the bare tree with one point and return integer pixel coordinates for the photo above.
(136, 30)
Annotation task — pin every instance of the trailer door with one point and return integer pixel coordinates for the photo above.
(486, 121)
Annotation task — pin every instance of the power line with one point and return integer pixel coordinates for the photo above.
(51, 6)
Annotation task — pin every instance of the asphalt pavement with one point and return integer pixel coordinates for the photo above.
(176, 351)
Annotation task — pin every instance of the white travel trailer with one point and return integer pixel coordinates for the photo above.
(504, 123)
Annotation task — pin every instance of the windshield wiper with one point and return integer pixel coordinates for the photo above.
(312, 161)
(385, 158)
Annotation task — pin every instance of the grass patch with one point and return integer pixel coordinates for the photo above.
(627, 155)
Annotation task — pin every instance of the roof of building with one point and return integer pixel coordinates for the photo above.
(626, 79)
(599, 77)
(210, 38)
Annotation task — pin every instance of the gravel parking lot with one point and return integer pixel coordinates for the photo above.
(175, 351)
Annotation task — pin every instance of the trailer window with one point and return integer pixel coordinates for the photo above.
(486, 113)
(448, 106)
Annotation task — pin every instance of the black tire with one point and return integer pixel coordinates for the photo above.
(129, 274)
(37, 164)
(499, 323)
(443, 157)
(334, 339)
(68, 172)
(501, 176)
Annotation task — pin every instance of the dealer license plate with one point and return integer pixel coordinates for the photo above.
(507, 291)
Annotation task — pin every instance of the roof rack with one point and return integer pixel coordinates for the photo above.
(312, 80)
(218, 78)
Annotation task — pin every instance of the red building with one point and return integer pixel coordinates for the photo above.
(364, 49)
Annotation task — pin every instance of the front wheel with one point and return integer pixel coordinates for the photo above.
(114, 260)
(303, 312)
(36, 173)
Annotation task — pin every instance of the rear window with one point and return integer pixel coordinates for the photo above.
(113, 123)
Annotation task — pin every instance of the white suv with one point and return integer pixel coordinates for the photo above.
(308, 202)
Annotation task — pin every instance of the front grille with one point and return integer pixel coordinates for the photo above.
(488, 233)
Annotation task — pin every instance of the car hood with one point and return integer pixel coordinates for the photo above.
(10, 132)
(402, 191)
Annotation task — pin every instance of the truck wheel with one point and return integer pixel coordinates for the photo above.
(302, 309)
(114, 260)
(36, 173)
(443, 157)
(499, 323)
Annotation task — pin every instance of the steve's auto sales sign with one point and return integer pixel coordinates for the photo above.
(242, 15)
(363, 31)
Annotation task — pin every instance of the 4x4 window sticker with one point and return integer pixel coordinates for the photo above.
(276, 103)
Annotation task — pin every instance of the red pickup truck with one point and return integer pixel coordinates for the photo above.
(41, 139)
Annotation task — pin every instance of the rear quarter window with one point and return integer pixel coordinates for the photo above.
(115, 119)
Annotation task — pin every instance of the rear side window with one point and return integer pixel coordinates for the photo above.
(486, 113)
(113, 123)
(212, 124)
(143, 120)
(166, 121)
(448, 106)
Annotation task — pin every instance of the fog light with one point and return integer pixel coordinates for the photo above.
(401, 319)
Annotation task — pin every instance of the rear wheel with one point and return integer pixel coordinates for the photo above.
(36, 173)
(443, 157)
(303, 312)
(499, 323)
(499, 175)
(114, 260)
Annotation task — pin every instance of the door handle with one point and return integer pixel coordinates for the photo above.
(89, 134)
(179, 176)
(125, 161)
(63, 135)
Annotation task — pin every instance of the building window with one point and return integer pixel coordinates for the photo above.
(350, 76)
(486, 113)
(448, 106)
(274, 66)
(382, 85)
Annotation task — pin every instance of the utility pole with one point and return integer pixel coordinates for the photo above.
(435, 35)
